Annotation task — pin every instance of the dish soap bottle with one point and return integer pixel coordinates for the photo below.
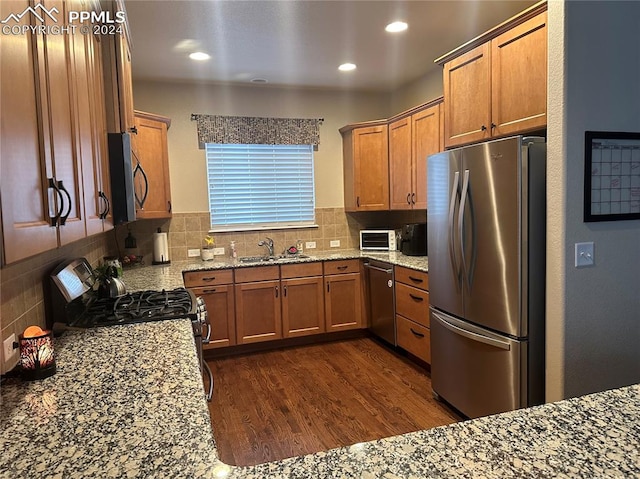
(232, 250)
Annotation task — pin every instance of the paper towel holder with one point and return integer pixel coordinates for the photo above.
(160, 248)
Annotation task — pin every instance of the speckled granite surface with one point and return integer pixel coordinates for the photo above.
(170, 276)
(119, 405)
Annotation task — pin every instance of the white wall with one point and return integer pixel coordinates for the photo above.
(593, 314)
(186, 161)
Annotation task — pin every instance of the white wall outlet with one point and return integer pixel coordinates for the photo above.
(310, 245)
(334, 243)
(193, 253)
(218, 251)
(585, 255)
(10, 354)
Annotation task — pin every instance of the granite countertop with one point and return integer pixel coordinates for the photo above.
(128, 401)
(170, 276)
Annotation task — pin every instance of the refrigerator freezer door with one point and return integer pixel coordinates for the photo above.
(444, 185)
(476, 371)
(490, 225)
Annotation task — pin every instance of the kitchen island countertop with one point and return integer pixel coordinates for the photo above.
(170, 276)
(127, 401)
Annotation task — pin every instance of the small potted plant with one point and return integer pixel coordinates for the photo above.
(206, 252)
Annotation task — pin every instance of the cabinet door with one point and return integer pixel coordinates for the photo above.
(400, 168)
(258, 316)
(426, 136)
(343, 303)
(149, 147)
(519, 78)
(467, 97)
(220, 304)
(302, 306)
(371, 168)
(27, 203)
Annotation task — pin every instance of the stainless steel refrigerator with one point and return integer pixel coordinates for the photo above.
(486, 237)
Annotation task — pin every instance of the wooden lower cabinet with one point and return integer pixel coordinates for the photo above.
(414, 337)
(258, 315)
(221, 310)
(302, 306)
(412, 312)
(343, 302)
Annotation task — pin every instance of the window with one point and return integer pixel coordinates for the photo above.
(260, 186)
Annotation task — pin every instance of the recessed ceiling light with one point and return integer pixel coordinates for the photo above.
(259, 80)
(347, 67)
(200, 56)
(396, 27)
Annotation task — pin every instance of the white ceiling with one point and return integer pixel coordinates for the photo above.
(301, 43)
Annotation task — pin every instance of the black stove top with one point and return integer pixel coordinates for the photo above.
(136, 307)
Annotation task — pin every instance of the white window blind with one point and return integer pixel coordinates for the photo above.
(260, 186)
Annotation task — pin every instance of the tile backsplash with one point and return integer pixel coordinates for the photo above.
(187, 231)
(22, 283)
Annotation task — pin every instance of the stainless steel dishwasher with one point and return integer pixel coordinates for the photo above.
(381, 297)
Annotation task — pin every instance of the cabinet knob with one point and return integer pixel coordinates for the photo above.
(483, 128)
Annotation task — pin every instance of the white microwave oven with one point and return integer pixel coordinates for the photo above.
(382, 240)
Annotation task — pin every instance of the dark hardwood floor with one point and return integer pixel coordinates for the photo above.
(277, 404)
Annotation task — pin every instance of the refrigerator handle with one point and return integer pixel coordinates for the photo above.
(455, 189)
(473, 336)
(467, 270)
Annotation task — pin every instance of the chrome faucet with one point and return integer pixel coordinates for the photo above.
(268, 242)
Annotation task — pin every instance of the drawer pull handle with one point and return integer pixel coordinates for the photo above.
(416, 333)
(209, 290)
(342, 267)
(416, 280)
(211, 278)
(416, 298)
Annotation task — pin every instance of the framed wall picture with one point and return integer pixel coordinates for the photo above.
(611, 176)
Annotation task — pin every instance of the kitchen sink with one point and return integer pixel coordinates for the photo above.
(266, 259)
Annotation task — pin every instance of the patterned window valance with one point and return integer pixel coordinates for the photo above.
(249, 130)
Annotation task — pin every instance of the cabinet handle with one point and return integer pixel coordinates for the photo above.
(416, 333)
(208, 278)
(413, 198)
(63, 218)
(342, 267)
(277, 292)
(483, 128)
(209, 290)
(416, 298)
(136, 170)
(133, 130)
(169, 206)
(358, 201)
(493, 125)
(408, 198)
(107, 205)
(53, 220)
(328, 283)
(417, 280)
(284, 291)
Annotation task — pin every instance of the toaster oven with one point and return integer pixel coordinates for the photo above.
(381, 240)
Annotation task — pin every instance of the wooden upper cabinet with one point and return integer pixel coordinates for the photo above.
(496, 85)
(366, 168)
(467, 97)
(427, 139)
(150, 163)
(400, 165)
(519, 78)
(27, 201)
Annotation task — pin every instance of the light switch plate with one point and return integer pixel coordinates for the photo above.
(334, 243)
(310, 245)
(585, 255)
(10, 354)
(193, 253)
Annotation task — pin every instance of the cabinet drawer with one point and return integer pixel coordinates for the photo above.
(257, 273)
(342, 266)
(300, 270)
(412, 303)
(414, 338)
(207, 278)
(412, 277)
